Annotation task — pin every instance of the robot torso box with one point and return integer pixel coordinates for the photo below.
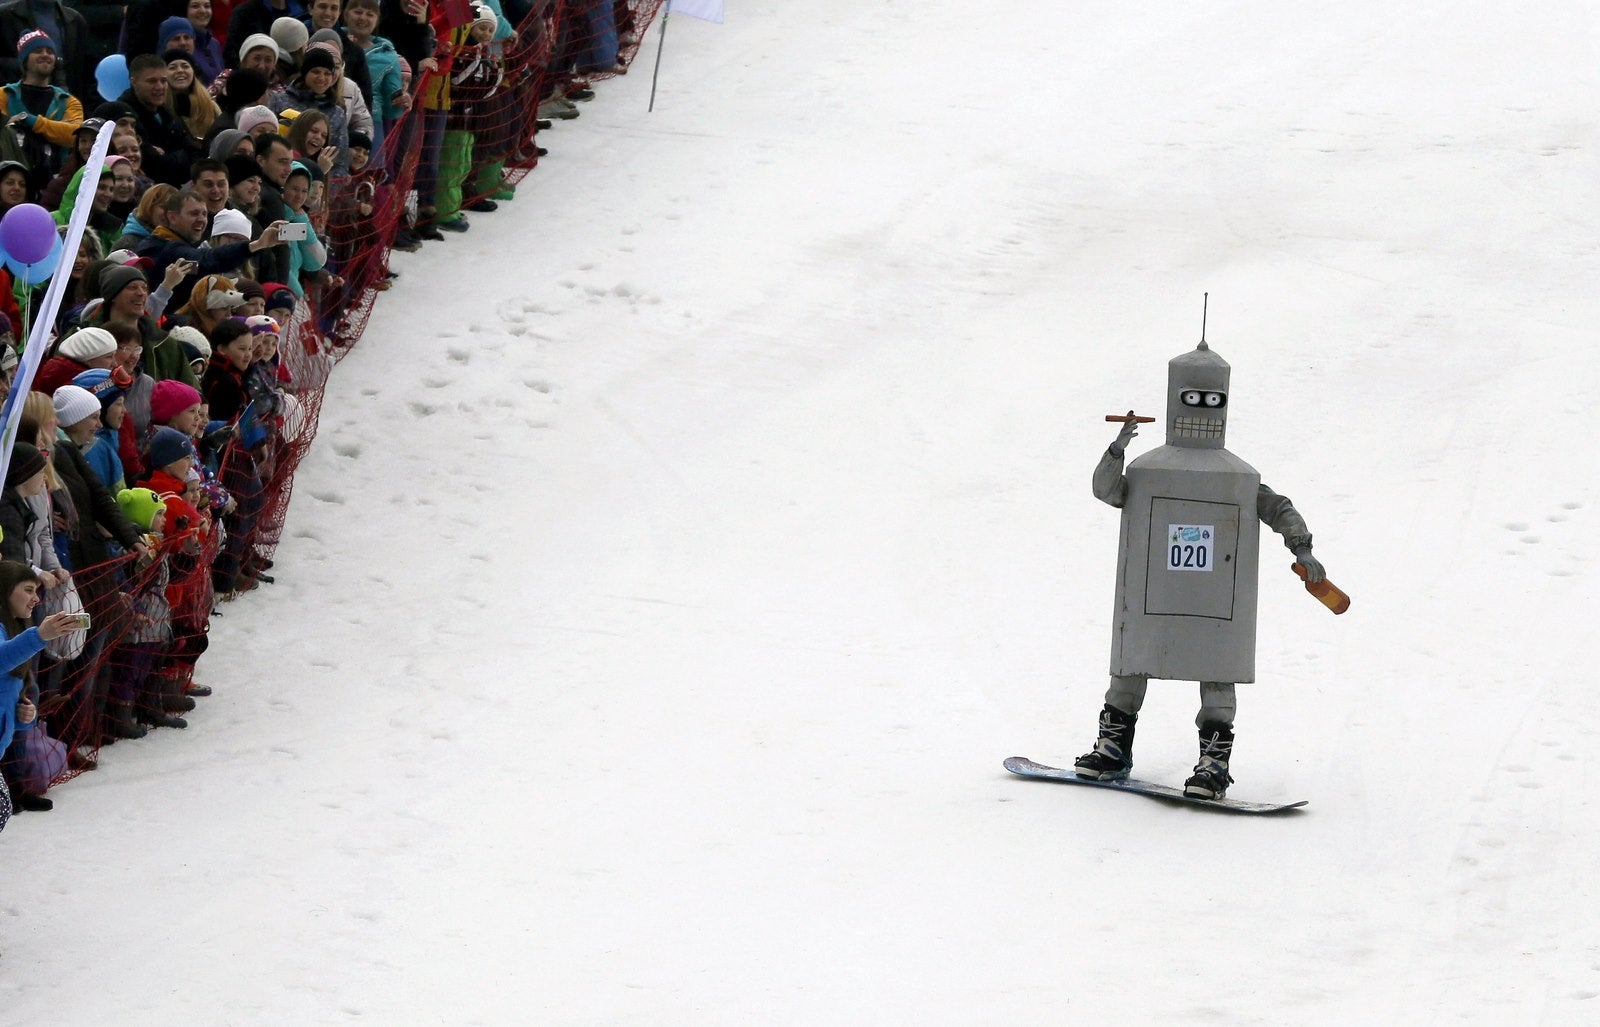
(1186, 579)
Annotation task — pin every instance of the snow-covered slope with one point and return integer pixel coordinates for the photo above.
(686, 545)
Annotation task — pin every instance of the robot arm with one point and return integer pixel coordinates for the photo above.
(1278, 513)
(1109, 484)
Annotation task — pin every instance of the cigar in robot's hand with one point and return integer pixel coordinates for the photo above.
(1125, 418)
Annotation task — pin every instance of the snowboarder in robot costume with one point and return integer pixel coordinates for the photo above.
(1186, 577)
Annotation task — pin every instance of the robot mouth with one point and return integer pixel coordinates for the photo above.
(1197, 427)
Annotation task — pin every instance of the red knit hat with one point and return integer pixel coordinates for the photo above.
(170, 398)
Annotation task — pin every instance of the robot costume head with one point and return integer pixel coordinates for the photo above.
(1197, 399)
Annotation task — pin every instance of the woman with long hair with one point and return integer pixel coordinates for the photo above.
(186, 93)
(96, 530)
(19, 594)
(308, 138)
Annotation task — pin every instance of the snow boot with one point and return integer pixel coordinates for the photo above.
(489, 181)
(119, 722)
(1112, 756)
(151, 708)
(1210, 779)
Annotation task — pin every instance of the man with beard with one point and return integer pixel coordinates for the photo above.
(62, 23)
(184, 222)
(45, 115)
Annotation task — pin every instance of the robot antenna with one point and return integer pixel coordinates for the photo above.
(1205, 303)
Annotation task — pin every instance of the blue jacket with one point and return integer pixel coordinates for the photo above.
(14, 652)
(306, 255)
(102, 457)
(383, 65)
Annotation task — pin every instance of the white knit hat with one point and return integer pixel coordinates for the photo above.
(86, 344)
(260, 39)
(254, 117)
(194, 337)
(75, 403)
(231, 222)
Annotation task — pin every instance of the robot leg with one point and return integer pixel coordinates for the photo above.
(1217, 704)
(1127, 692)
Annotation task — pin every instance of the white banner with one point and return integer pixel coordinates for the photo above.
(44, 319)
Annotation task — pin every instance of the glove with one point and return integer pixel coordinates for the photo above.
(1129, 430)
(1313, 566)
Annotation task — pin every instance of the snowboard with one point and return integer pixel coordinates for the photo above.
(1024, 767)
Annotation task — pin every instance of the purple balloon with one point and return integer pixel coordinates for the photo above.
(27, 232)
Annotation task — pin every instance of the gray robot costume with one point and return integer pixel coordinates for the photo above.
(1187, 574)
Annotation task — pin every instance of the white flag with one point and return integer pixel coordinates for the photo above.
(705, 10)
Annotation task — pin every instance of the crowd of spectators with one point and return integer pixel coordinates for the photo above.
(264, 158)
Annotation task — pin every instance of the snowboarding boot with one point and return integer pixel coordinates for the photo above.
(1112, 756)
(1210, 779)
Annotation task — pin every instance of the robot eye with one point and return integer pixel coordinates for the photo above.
(1215, 399)
(1190, 398)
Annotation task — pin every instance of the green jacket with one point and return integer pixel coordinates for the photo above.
(163, 355)
(69, 198)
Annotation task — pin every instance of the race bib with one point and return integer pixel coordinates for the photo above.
(1189, 546)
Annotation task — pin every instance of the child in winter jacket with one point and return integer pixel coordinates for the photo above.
(475, 74)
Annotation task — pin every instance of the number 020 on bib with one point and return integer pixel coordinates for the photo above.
(1189, 547)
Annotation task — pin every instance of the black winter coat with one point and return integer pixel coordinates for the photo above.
(96, 508)
(15, 519)
(160, 127)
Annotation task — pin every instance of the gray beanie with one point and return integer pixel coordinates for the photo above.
(290, 34)
(225, 143)
(115, 279)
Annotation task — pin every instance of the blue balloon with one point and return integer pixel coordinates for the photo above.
(33, 275)
(111, 76)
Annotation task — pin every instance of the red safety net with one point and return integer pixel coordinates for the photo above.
(469, 135)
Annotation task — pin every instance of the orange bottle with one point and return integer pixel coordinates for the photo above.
(1326, 591)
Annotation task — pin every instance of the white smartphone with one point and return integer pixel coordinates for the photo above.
(293, 231)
